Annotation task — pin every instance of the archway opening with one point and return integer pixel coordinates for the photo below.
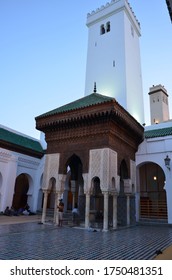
(74, 185)
(153, 204)
(96, 201)
(20, 192)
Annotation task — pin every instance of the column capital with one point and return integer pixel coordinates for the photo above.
(128, 194)
(114, 193)
(58, 192)
(105, 192)
(47, 191)
(87, 192)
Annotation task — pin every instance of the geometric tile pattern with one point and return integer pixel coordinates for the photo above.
(34, 241)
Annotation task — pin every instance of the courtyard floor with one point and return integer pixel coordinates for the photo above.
(20, 240)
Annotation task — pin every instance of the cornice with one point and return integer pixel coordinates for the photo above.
(92, 115)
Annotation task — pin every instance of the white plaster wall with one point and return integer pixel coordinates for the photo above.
(102, 51)
(13, 164)
(134, 89)
(155, 150)
(8, 169)
(122, 81)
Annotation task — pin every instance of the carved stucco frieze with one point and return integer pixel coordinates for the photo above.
(51, 169)
(25, 162)
(103, 164)
(6, 156)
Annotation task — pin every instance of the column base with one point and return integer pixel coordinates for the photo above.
(105, 230)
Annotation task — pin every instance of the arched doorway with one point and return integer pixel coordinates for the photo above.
(153, 204)
(73, 183)
(96, 202)
(20, 191)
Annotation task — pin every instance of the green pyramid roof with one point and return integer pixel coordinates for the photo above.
(86, 101)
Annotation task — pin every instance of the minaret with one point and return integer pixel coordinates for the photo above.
(113, 56)
(159, 109)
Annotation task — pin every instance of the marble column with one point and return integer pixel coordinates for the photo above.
(105, 215)
(55, 206)
(44, 210)
(58, 196)
(87, 211)
(114, 211)
(128, 209)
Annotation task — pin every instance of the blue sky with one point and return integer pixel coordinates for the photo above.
(43, 48)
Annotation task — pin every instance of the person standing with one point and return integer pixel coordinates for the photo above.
(75, 214)
(61, 208)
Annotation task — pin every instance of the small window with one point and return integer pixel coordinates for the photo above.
(132, 31)
(102, 29)
(108, 26)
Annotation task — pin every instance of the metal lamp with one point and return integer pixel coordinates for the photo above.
(167, 162)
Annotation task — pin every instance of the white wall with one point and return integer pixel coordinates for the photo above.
(155, 150)
(113, 59)
(13, 164)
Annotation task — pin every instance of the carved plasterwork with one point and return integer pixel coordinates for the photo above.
(103, 164)
(25, 162)
(51, 169)
(5, 156)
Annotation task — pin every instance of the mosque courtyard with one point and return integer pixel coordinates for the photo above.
(36, 241)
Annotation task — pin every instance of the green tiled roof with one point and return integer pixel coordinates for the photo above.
(158, 132)
(86, 101)
(19, 140)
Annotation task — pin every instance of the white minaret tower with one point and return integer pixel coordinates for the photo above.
(113, 57)
(159, 109)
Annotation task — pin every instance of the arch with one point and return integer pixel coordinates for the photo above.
(75, 165)
(153, 203)
(95, 186)
(96, 201)
(124, 170)
(114, 184)
(74, 180)
(20, 197)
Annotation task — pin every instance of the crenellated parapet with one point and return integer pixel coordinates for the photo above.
(110, 4)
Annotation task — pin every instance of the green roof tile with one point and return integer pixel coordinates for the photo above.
(162, 132)
(19, 140)
(86, 101)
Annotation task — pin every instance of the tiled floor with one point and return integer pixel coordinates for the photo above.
(48, 242)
